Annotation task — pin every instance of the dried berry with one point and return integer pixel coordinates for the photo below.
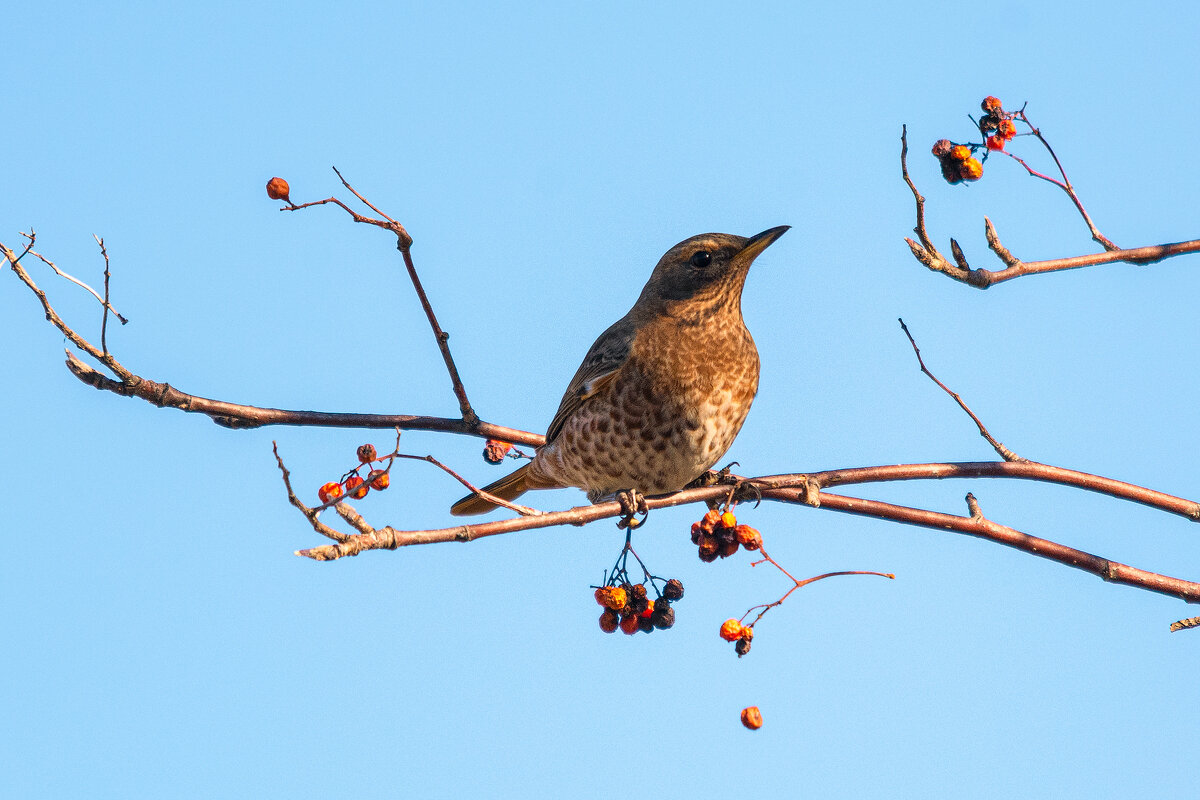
(748, 537)
(330, 492)
(278, 189)
(991, 105)
(941, 148)
(663, 617)
(729, 520)
(673, 590)
(988, 124)
(747, 633)
(697, 532)
(609, 620)
(645, 625)
(708, 556)
(615, 597)
(960, 152)
(731, 630)
(995, 142)
(950, 171)
(648, 610)
(727, 549)
(971, 169)
(379, 480)
(741, 647)
(366, 453)
(1007, 129)
(638, 591)
(356, 487)
(495, 450)
(710, 519)
(629, 625)
(752, 718)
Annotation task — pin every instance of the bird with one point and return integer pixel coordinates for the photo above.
(661, 394)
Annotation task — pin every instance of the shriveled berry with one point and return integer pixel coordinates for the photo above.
(645, 625)
(366, 453)
(941, 148)
(331, 492)
(356, 487)
(728, 520)
(629, 625)
(609, 620)
(614, 597)
(663, 618)
(638, 591)
(995, 142)
(960, 152)
(752, 718)
(950, 171)
(988, 124)
(708, 546)
(748, 537)
(727, 549)
(741, 647)
(731, 630)
(495, 450)
(1007, 129)
(673, 590)
(708, 556)
(600, 594)
(648, 610)
(379, 480)
(710, 519)
(971, 169)
(278, 189)
(991, 105)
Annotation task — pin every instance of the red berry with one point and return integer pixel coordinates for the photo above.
(379, 479)
(752, 717)
(278, 189)
(355, 487)
(731, 630)
(330, 492)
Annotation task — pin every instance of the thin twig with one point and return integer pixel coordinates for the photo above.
(31, 236)
(1005, 453)
(107, 276)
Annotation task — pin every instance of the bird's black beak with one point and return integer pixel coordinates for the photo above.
(761, 241)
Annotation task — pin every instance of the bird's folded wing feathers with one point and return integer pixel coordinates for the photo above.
(599, 367)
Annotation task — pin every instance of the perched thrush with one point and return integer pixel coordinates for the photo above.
(661, 394)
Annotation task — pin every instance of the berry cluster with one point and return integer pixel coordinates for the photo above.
(996, 124)
(352, 483)
(628, 606)
(958, 161)
(718, 535)
(733, 630)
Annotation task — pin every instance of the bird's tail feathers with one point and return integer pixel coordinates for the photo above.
(510, 487)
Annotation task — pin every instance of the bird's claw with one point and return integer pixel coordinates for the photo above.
(633, 503)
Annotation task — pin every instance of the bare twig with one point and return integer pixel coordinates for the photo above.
(403, 244)
(1005, 453)
(32, 236)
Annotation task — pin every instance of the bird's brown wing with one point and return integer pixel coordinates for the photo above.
(599, 367)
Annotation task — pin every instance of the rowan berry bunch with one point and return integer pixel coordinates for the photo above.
(354, 485)
(718, 535)
(628, 605)
(996, 127)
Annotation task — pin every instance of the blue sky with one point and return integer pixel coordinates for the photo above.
(161, 640)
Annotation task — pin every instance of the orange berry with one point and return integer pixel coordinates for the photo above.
(995, 142)
(752, 717)
(729, 520)
(960, 152)
(747, 633)
(748, 537)
(991, 105)
(1007, 129)
(629, 625)
(355, 487)
(731, 630)
(609, 620)
(600, 594)
(971, 169)
(614, 597)
(366, 453)
(278, 189)
(330, 492)
(710, 519)
(495, 450)
(379, 479)
(649, 609)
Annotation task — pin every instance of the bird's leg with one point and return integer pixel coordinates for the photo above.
(632, 504)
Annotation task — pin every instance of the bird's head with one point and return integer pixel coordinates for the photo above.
(708, 270)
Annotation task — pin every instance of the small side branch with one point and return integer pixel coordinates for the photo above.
(1004, 452)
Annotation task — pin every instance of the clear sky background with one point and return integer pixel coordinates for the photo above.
(160, 638)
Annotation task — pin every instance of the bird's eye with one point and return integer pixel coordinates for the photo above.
(701, 259)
